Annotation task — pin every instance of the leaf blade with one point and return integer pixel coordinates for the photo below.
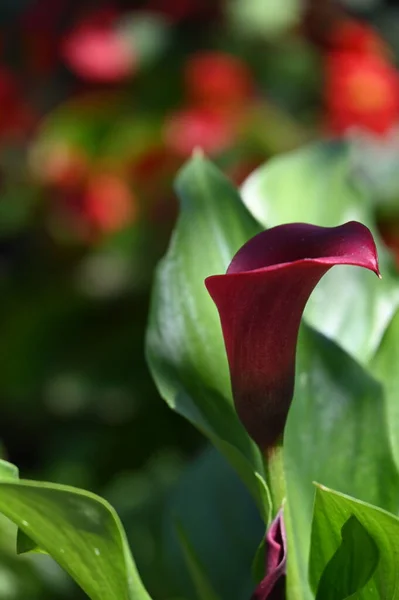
(184, 344)
(80, 531)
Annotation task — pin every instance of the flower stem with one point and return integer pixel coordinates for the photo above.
(274, 468)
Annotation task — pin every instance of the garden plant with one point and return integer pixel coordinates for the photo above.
(310, 424)
(199, 273)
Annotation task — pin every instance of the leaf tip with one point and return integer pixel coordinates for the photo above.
(198, 152)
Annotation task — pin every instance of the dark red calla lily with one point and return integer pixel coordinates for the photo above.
(260, 301)
(272, 586)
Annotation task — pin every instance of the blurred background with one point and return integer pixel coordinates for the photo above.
(100, 103)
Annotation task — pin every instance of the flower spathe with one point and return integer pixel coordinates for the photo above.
(260, 301)
(272, 586)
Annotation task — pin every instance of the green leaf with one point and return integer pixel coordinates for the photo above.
(314, 185)
(331, 513)
(185, 348)
(352, 565)
(202, 584)
(311, 184)
(336, 434)
(222, 523)
(384, 366)
(80, 531)
(8, 471)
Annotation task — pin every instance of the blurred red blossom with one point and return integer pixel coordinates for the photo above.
(351, 35)
(205, 128)
(361, 91)
(155, 162)
(96, 51)
(218, 79)
(109, 204)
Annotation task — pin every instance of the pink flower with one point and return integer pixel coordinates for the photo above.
(97, 52)
(208, 129)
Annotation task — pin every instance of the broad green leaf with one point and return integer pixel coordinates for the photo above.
(202, 584)
(352, 565)
(9, 472)
(331, 512)
(185, 348)
(336, 434)
(223, 525)
(313, 185)
(80, 531)
(384, 366)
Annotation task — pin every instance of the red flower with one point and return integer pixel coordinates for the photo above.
(95, 51)
(350, 35)
(260, 301)
(361, 91)
(199, 127)
(109, 204)
(217, 79)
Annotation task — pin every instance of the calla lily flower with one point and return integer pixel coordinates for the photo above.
(272, 586)
(260, 301)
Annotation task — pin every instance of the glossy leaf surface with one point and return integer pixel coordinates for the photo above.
(337, 409)
(184, 342)
(222, 524)
(80, 531)
(380, 529)
(352, 565)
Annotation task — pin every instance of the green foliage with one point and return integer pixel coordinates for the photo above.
(184, 344)
(337, 409)
(199, 577)
(371, 553)
(87, 157)
(79, 530)
(338, 406)
(222, 525)
(384, 368)
(344, 398)
(352, 565)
